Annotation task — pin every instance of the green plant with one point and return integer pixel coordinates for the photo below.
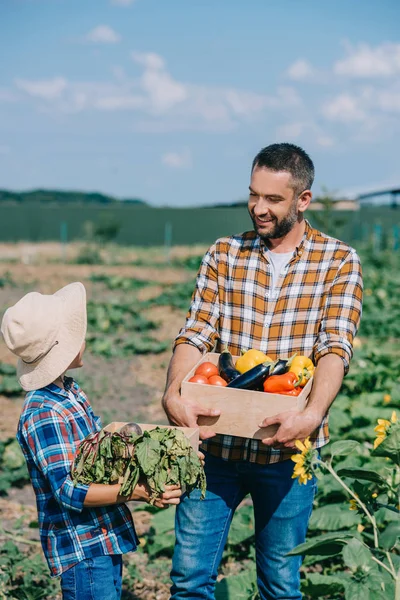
(24, 576)
(9, 385)
(13, 470)
(368, 557)
(89, 255)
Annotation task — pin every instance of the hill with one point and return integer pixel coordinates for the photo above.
(63, 197)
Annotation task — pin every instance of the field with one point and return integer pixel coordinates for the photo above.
(137, 303)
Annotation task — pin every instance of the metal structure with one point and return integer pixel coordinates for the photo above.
(394, 193)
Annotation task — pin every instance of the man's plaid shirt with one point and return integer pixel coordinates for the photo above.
(52, 425)
(314, 310)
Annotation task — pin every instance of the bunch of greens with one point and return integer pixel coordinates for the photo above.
(159, 457)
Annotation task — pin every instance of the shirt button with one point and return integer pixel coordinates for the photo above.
(300, 252)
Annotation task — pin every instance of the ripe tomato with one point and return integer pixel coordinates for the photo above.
(217, 380)
(207, 369)
(198, 379)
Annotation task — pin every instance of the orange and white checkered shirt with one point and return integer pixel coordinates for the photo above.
(314, 310)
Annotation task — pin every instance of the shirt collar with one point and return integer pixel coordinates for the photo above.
(70, 385)
(299, 250)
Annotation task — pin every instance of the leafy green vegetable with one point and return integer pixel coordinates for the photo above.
(160, 457)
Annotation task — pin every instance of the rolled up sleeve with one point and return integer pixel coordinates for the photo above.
(342, 312)
(50, 439)
(201, 327)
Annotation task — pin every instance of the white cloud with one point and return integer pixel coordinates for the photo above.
(47, 89)
(166, 103)
(177, 160)
(148, 60)
(326, 141)
(344, 108)
(122, 2)
(162, 90)
(291, 131)
(364, 61)
(103, 34)
(301, 70)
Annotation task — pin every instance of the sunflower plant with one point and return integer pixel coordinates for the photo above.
(369, 555)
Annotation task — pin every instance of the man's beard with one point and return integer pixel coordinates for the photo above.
(280, 228)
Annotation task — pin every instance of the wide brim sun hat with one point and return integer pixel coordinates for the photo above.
(46, 332)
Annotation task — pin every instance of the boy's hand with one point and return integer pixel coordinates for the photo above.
(201, 457)
(171, 495)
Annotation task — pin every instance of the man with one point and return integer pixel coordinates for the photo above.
(282, 288)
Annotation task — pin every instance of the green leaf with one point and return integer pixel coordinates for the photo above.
(357, 555)
(242, 527)
(13, 457)
(343, 448)
(148, 454)
(389, 537)
(328, 544)
(336, 516)
(363, 474)
(369, 587)
(316, 585)
(164, 521)
(237, 587)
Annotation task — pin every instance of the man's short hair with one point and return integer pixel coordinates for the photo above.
(290, 158)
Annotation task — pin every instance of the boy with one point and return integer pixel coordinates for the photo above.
(84, 529)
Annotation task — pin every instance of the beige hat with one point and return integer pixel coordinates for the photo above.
(46, 332)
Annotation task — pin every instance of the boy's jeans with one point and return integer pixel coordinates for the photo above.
(282, 509)
(98, 578)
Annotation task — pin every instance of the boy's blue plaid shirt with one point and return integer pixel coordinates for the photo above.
(52, 425)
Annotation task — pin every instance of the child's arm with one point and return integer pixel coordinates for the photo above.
(50, 439)
(103, 495)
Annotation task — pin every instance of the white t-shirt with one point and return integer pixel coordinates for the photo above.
(278, 261)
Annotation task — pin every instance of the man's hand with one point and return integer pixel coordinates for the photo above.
(171, 495)
(185, 413)
(293, 425)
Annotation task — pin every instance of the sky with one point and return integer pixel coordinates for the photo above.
(170, 100)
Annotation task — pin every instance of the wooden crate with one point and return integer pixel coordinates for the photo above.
(241, 410)
(192, 433)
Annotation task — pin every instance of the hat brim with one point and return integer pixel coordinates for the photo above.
(70, 338)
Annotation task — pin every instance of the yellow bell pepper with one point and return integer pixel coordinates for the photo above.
(251, 359)
(303, 367)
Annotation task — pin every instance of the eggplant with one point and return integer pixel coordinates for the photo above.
(280, 367)
(226, 368)
(253, 378)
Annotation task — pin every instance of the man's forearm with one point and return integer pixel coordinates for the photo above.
(183, 359)
(327, 383)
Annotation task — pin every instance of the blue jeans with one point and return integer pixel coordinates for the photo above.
(282, 508)
(97, 578)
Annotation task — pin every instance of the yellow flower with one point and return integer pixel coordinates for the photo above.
(353, 504)
(383, 428)
(360, 528)
(387, 398)
(374, 495)
(303, 469)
